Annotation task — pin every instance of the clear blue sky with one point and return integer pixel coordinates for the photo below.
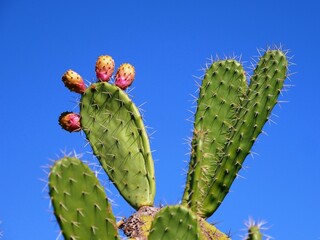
(167, 42)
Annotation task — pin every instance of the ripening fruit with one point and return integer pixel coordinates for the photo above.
(124, 76)
(73, 81)
(70, 121)
(104, 68)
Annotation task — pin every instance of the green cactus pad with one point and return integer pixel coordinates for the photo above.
(79, 202)
(238, 131)
(254, 233)
(223, 87)
(114, 128)
(175, 223)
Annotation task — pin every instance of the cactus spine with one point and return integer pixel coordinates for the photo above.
(230, 115)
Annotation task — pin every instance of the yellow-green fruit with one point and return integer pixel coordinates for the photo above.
(73, 81)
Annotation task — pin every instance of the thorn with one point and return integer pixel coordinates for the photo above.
(252, 153)
(59, 235)
(239, 176)
(129, 90)
(270, 121)
(197, 77)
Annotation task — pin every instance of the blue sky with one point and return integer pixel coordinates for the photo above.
(167, 42)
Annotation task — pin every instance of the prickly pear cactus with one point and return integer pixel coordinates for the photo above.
(229, 118)
(231, 113)
(79, 201)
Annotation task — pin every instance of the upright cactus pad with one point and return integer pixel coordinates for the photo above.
(223, 88)
(229, 118)
(115, 130)
(80, 203)
(254, 230)
(254, 233)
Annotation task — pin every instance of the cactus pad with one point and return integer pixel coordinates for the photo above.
(79, 202)
(254, 233)
(223, 87)
(175, 222)
(254, 230)
(114, 128)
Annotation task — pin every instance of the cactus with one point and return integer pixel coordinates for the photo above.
(117, 135)
(175, 222)
(254, 233)
(79, 202)
(228, 120)
(222, 91)
(179, 222)
(254, 230)
(230, 115)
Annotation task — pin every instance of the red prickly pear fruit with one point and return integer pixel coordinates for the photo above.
(70, 121)
(73, 81)
(125, 76)
(104, 68)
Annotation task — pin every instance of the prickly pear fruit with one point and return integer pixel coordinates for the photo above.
(125, 76)
(104, 68)
(70, 121)
(73, 81)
